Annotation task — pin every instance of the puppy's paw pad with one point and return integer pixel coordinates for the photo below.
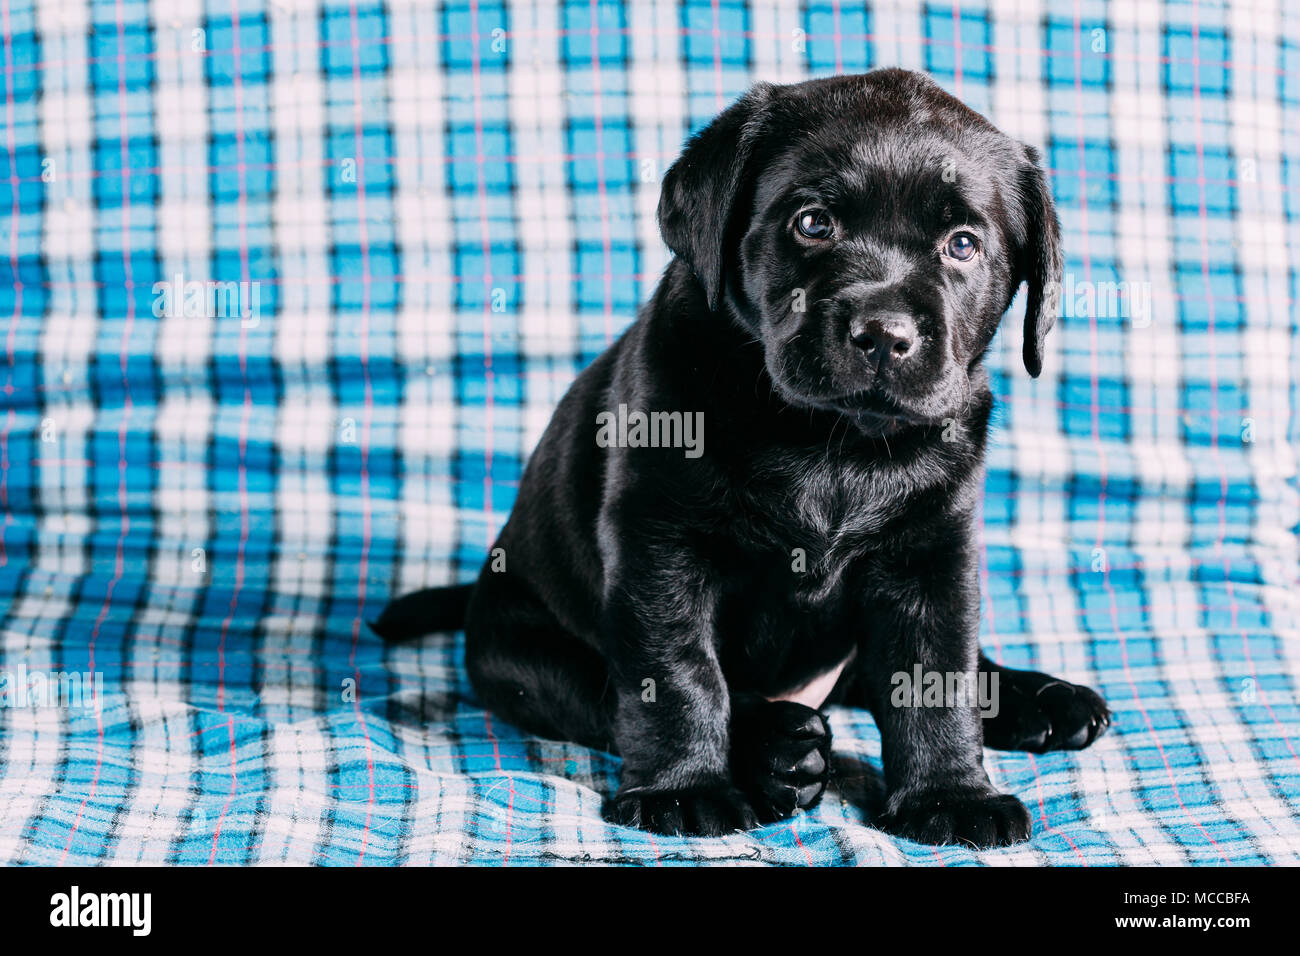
(781, 757)
(976, 818)
(807, 726)
(702, 812)
(814, 764)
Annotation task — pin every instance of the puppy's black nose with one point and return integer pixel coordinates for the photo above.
(885, 338)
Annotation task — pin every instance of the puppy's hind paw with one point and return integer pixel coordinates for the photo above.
(780, 756)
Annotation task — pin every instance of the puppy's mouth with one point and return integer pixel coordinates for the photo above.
(874, 411)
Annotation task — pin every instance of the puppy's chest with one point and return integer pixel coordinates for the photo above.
(819, 517)
(794, 601)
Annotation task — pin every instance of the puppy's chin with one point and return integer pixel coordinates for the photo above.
(873, 425)
(884, 414)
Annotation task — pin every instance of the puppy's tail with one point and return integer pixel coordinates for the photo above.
(423, 612)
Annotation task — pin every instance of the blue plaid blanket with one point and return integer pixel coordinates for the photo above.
(288, 292)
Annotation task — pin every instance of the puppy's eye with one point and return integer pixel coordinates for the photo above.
(815, 224)
(962, 247)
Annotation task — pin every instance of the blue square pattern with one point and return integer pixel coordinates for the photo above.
(1203, 180)
(715, 32)
(1079, 55)
(838, 37)
(354, 41)
(601, 155)
(475, 38)
(242, 496)
(22, 59)
(958, 44)
(121, 58)
(1083, 173)
(238, 51)
(595, 33)
(1198, 61)
(478, 157)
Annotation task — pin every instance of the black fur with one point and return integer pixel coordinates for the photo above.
(652, 603)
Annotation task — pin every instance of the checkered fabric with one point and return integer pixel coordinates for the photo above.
(288, 292)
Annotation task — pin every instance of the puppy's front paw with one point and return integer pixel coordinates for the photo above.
(705, 811)
(973, 816)
(1045, 714)
(780, 756)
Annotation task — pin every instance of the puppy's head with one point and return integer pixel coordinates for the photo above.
(870, 231)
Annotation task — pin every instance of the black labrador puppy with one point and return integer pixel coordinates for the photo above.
(761, 499)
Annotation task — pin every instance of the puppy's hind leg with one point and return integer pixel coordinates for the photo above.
(1038, 713)
(526, 669)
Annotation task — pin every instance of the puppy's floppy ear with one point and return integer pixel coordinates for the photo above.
(1041, 261)
(701, 189)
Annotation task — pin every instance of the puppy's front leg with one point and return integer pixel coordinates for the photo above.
(923, 644)
(672, 710)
